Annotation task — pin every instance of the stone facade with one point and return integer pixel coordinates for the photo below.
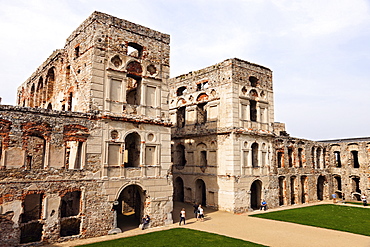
(90, 131)
(89, 148)
(228, 152)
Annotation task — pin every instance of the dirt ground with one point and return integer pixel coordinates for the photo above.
(262, 231)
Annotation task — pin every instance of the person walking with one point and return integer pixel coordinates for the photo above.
(195, 206)
(182, 216)
(200, 213)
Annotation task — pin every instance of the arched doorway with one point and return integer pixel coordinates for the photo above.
(130, 207)
(178, 191)
(200, 192)
(256, 189)
(320, 188)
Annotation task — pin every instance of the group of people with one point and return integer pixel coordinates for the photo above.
(198, 214)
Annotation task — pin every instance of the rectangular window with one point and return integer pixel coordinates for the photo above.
(115, 90)
(253, 110)
(355, 159)
(74, 156)
(150, 96)
(203, 158)
(280, 156)
(113, 154)
(150, 156)
(338, 162)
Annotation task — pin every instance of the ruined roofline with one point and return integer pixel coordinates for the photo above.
(40, 68)
(92, 116)
(121, 24)
(356, 139)
(224, 63)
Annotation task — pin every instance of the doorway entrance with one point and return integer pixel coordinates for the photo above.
(256, 189)
(200, 192)
(130, 207)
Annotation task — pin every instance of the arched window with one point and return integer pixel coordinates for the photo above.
(180, 91)
(255, 154)
(132, 148)
(134, 50)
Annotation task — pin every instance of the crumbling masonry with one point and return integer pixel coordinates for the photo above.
(96, 124)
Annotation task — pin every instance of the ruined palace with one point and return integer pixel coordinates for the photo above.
(101, 136)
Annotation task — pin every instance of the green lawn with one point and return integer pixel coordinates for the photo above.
(176, 237)
(342, 218)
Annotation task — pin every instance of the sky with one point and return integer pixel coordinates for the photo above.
(319, 51)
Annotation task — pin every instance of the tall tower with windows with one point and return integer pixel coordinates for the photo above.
(223, 133)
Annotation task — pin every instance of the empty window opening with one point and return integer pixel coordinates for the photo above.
(50, 81)
(338, 162)
(180, 155)
(50, 106)
(32, 207)
(320, 187)
(203, 85)
(31, 232)
(133, 90)
(70, 101)
(70, 227)
(203, 158)
(134, 50)
(304, 189)
(300, 157)
(290, 156)
(338, 181)
(39, 92)
(70, 204)
(253, 93)
(254, 81)
(280, 157)
(255, 155)
(253, 110)
(356, 188)
(73, 154)
(132, 146)
(180, 91)
(68, 72)
(281, 190)
(35, 152)
(318, 158)
(77, 51)
(201, 113)
(292, 191)
(355, 159)
(313, 157)
(180, 117)
(32, 96)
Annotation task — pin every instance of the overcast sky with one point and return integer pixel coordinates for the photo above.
(319, 51)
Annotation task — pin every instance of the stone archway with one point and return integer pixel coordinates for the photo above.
(200, 192)
(130, 207)
(178, 190)
(256, 191)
